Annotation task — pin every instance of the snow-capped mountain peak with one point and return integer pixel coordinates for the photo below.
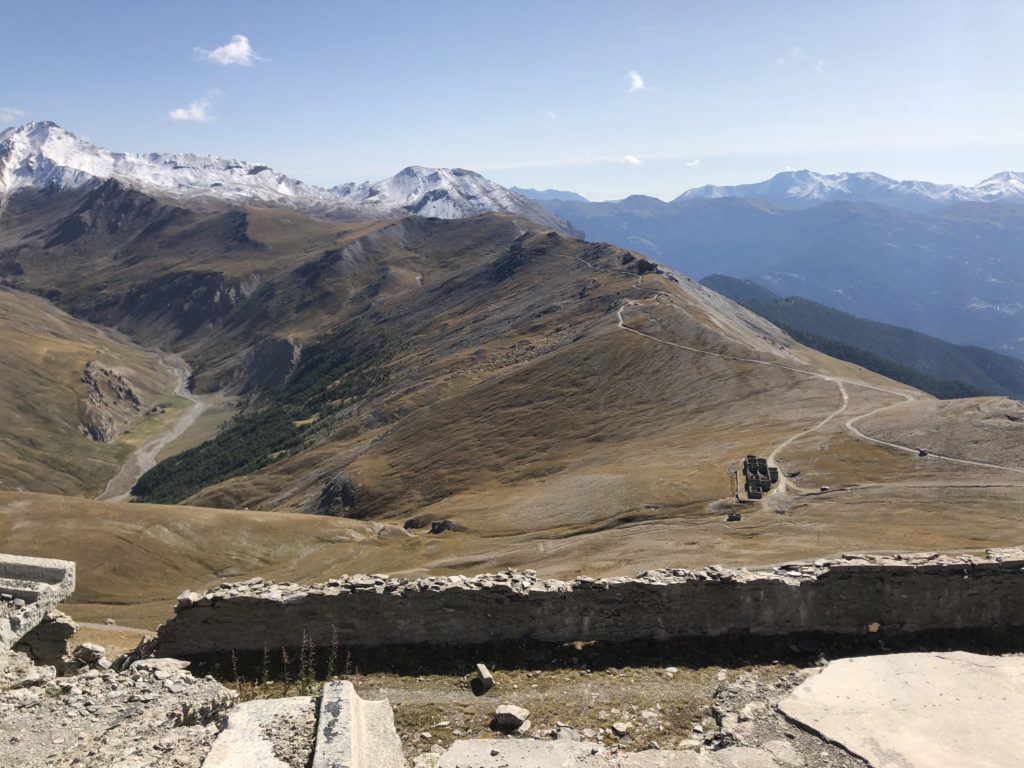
(44, 155)
(1002, 186)
(446, 193)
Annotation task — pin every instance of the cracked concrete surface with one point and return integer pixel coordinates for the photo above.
(918, 710)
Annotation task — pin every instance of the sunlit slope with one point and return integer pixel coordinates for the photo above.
(515, 401)
(562, 403)
(48, 397)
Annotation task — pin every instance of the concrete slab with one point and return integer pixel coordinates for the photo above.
(918, 710)
(245, 741)
(513, 753)
(529, 753)
(355, 733)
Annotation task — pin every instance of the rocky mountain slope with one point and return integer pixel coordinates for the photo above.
(42, 155)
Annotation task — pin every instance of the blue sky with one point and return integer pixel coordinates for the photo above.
(535, 93)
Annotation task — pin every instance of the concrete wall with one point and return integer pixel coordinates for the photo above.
(903, 594)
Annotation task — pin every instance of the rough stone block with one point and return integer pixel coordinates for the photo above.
(355, 733)
(484, 680)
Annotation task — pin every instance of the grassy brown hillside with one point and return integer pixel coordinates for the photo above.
(216, 284)
(503, 368)
(564, 404)
(59, 375)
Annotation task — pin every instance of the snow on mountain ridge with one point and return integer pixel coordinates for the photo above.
(441, 192)
(1002, 185)
(42, 154)
(809, 187)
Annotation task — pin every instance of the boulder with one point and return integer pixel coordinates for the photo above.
(621, 729)
(89, 653)
(509, 717)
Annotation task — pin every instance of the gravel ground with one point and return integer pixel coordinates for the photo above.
(660, 707)
(103, 718)
(293, 736)
(143, 719)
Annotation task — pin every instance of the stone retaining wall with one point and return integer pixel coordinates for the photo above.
(854, 595)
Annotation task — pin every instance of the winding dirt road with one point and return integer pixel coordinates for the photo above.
(908, 396)
(145, 456)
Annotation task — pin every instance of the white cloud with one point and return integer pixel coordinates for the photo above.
(550, 115)
(238, 52)
(10, 115)
(797, 56)
(632, 160)
(636, 81)
(792, 56)
(196, 112)
(693, 163)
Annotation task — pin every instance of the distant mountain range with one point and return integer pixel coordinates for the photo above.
(42, 155)
(954, 271)
(807, 188)
(935, 366)
(549, 194)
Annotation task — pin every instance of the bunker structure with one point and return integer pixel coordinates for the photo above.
(30, 587)
(758, 477)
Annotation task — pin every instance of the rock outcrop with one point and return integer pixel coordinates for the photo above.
(109, 403)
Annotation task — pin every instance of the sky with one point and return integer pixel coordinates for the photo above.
(606, 99)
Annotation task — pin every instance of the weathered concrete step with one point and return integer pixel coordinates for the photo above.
(36, 569)
(29, 591)
(40, 583)
(354, 732)
(247, 739)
